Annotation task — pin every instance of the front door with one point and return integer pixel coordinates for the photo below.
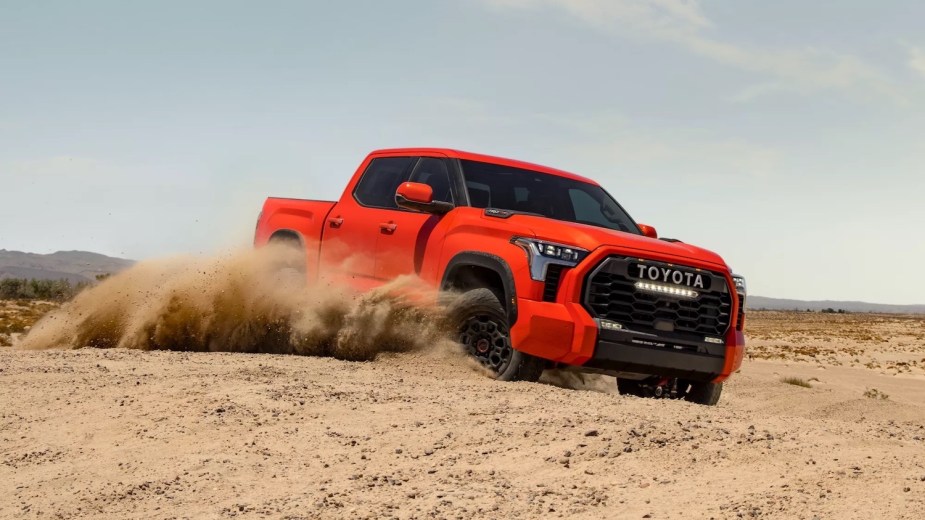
(405, 235)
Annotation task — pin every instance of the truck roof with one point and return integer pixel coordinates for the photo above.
(470, 156)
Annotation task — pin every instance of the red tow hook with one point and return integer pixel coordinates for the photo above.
(660, 388)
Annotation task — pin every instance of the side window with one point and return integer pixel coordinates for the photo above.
(380, 180)
(434, 173)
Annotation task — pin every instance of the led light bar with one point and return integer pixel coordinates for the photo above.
(667, 289)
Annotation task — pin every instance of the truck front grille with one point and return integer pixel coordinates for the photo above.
(611, 294)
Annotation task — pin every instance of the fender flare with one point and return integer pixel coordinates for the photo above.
(493, 263)
(285, 232)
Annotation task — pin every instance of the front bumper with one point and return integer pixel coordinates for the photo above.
(564, 332)
(647, 354)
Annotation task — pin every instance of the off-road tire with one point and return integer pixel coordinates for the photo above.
(630, 387)
(704, 393)
(477, 320)
(289, 263)
(696, 392)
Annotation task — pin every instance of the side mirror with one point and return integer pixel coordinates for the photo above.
(417, 196)
(648, 231)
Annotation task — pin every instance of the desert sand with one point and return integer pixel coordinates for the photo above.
(157, 434)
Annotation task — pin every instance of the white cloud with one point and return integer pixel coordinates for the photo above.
(683, 23)
(917, 60)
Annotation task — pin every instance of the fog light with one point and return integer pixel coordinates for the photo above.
(610, 325)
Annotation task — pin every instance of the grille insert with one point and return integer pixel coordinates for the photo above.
(553, 277)
(740, 318)
(611, 294)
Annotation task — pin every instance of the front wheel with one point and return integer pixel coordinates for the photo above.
(480, 324)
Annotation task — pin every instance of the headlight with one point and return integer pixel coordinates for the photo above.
(741, 291)
(541, 253)
(739, 280)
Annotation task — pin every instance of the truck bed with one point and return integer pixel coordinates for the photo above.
(305, 217)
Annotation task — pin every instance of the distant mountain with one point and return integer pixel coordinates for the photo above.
(74, 266)
(83, 266)
(761, 302)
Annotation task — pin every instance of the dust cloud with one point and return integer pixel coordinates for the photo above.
(250, 301)
(574, 380)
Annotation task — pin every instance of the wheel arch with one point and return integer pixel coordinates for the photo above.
(285, 235)
(473, 269)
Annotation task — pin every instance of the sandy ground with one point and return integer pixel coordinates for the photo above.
(136, 434)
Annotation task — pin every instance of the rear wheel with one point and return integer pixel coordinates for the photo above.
(694, 391)
(480, 324)
(704, 393)
(630, 387)
(288, 265)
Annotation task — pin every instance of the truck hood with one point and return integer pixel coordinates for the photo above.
(592, 237)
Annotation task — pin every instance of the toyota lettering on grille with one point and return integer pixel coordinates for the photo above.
(669, 275)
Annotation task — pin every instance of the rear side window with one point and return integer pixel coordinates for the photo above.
(380, 180)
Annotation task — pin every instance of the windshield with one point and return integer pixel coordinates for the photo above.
(495, 186)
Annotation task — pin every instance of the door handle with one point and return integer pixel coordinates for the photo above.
(335, 222)
(387, 227)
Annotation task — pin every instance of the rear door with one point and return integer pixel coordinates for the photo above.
(354, 225)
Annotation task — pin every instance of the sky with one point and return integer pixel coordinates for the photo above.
(787, 136)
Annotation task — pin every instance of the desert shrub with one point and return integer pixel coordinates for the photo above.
(873, 393)
(796, 381)
(35, 289)
(14, 324)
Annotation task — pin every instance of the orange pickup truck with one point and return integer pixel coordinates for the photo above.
(552, 271)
